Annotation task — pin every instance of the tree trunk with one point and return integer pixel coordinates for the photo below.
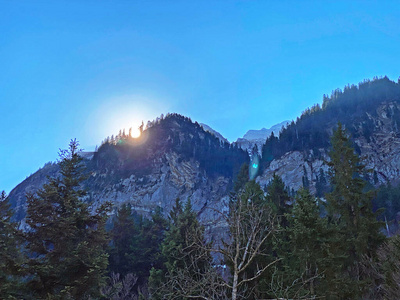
(234, 286)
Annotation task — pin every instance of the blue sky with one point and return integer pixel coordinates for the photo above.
(84, 69)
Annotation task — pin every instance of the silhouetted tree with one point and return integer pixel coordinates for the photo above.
(66, 238)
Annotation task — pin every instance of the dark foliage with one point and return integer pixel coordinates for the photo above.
(136, 244)
(11, 259)
(66, 240)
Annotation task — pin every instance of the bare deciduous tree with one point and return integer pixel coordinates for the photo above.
(250, 225)
(121, 288)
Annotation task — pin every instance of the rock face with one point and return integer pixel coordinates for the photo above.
(258, 137)
(175, 158)
(380, 150)
(172, 178)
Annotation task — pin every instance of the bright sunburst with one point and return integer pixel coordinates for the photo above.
(135, 133)
(124, 114)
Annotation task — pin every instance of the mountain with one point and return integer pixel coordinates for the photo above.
(213, 132)
(174, 157)
(370, 112)
(263, 134)
(258, 137)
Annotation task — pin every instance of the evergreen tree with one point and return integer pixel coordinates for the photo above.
(307, 259)
(321, 184)
(187, 258)
(152, 235)
(242, 178)
(350, 213)
(278, 200)
(122, 235)
(11, 258)
(66, 239)
(278, 196)
(136, 245)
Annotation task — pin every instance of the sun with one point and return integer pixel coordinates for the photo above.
(135, 133)
(124, 115)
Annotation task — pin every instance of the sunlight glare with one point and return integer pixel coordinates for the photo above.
(123, 113)
(135, 133)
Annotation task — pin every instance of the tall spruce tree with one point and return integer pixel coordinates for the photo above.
(242, 178)
(278, 196)
(187, 258)
(66, 239)
(357, 231)
(11, 258)
(122, 235)
(136, 245)
(278, 199)
(307, 259)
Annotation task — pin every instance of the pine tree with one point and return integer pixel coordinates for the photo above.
(277, 199)
(350, 213)
(136, 245)
(11, 258)
(278, 196)
(307, 258)
(122, 235)
(187, 258)
(66, 240)
(242, 178)
(181, 240)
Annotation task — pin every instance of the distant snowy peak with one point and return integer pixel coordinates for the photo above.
(258, 137)
(213, 132)
(263, 134)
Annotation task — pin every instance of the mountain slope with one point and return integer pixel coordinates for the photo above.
(173, 158)
(370, 112)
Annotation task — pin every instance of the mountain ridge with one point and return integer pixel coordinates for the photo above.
(176, 157)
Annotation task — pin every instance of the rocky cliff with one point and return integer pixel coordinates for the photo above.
(173, 158)
(380, 151)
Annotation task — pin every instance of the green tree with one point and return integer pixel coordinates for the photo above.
(307, 259)
(242, 178)
(350, 213)
(122, 235)
(187, 258)
(11, 258)
(321, 184)
(136, 244)
(66, 239)
(278, 196)
(278, 199)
